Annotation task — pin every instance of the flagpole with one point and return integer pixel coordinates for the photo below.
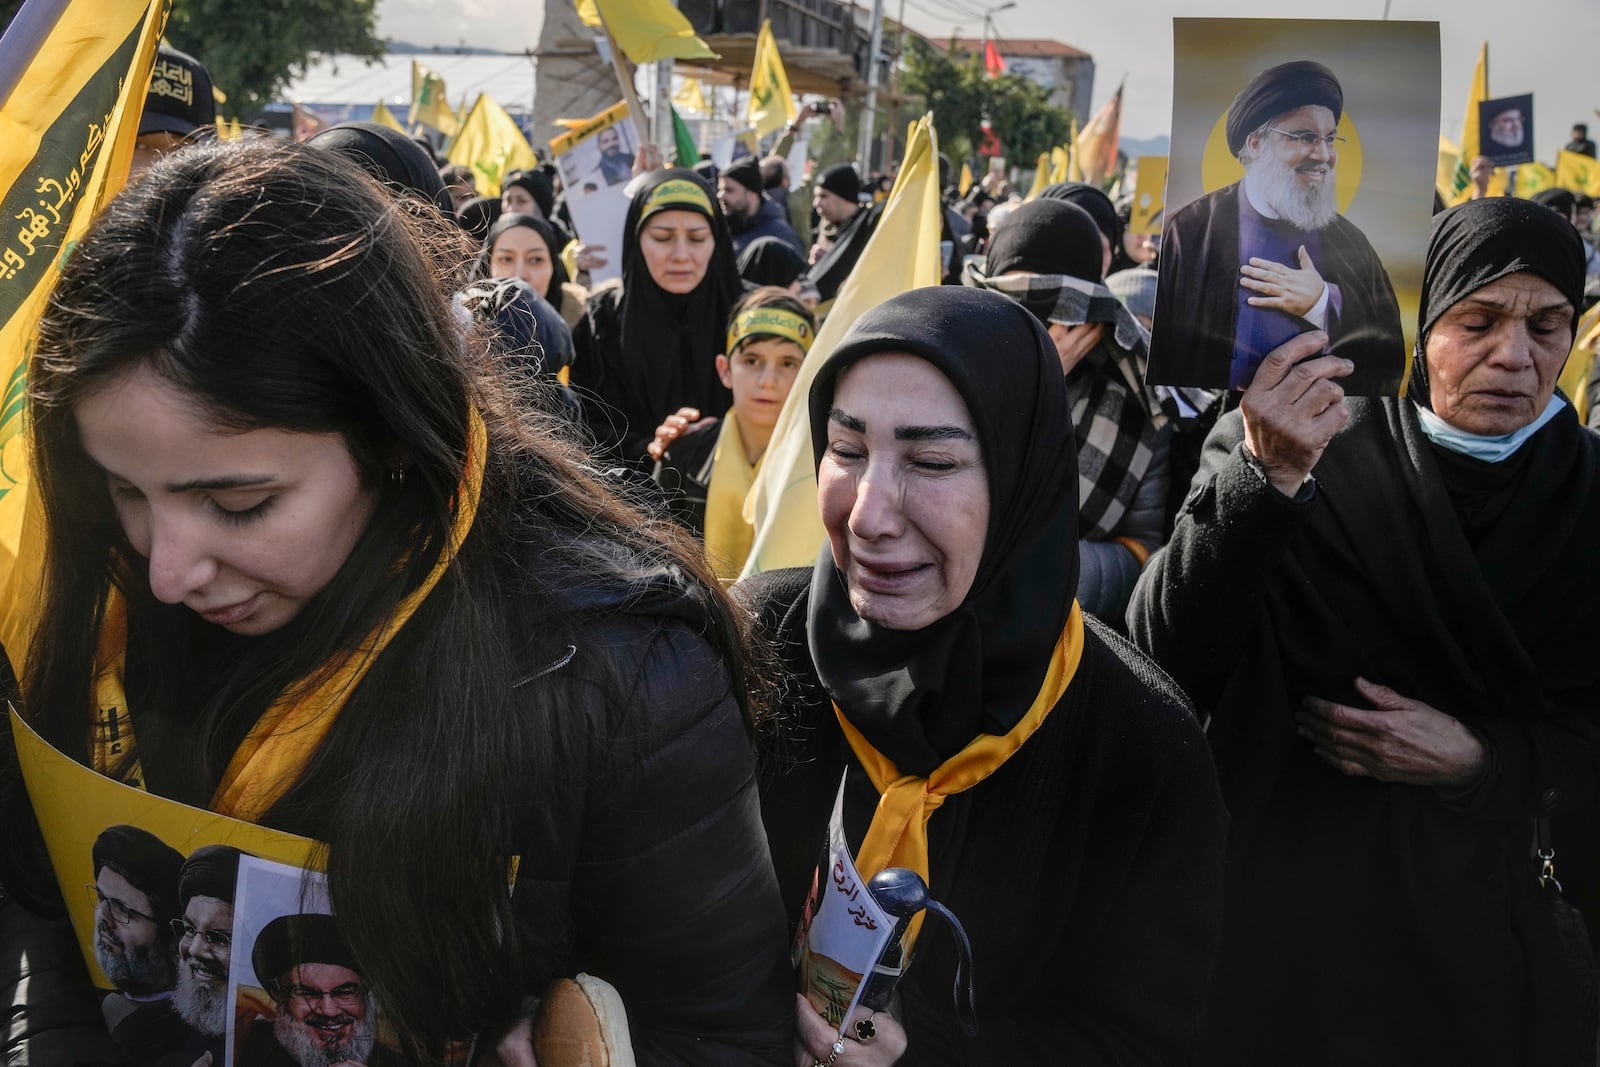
(619, 65)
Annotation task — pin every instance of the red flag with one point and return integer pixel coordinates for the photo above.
(992, 61)
(990, 145)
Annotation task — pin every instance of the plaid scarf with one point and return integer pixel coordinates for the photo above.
(1115, 416)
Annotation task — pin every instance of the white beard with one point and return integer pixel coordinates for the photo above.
(1309, 207)
(201, 1002)
(302, 1043)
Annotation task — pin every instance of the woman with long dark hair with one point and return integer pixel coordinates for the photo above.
(339, 584)
(648, 348)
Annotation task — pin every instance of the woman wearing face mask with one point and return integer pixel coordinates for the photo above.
(329, 578)
(1389, 606)
(1048, 782)
(648, 348)
(524, 246)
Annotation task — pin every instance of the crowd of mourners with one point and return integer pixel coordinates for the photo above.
(1249, 727)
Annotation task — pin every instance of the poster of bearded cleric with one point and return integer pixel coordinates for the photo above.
(1299, 192)
(206, 938)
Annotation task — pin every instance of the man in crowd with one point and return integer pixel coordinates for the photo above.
(1268, 258)
(1580, 142)
(616, 166)
(779, 189)
(205, 943)
(843, 231)
(178, 103)
(460, 183)
(135, 894)
(326, 1015)
(750, 214)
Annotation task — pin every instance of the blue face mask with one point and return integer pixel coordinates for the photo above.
(1490, 449)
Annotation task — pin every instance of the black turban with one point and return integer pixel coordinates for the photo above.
(1047, 237)
(1285, 87)
(1482, 241)
(747, 172)
(210, 871)
(149, 864)
(389, 156)
(291, 940)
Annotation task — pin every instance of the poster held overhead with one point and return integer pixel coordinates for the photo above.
(1505, 128)
(1297, 196)
(596, 160)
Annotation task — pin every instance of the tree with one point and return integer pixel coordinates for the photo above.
(961, 95)
(253, 47)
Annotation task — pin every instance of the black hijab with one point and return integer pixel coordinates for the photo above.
(1047, 237)
(1092, 200)
(653, 319)
(920, 696)
(770, 261)
(389, 156)
(1482, 241)
(558, 275)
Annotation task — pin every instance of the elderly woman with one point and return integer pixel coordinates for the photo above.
(1049, 259)
(937, 642)
(1392, 629)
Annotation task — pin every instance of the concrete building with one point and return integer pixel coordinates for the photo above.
(1066, 71)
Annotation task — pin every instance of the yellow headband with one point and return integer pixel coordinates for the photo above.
(677, 193)
(770, 320)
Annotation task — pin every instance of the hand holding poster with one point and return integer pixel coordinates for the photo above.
(842, 932)
(1302, 157)
(596, 162)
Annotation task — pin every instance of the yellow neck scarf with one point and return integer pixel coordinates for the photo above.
(898, 836)
(728, 536)
(277, 748)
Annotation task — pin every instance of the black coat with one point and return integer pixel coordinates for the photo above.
(1086, 869)
(1372, 922)
(1195, 300)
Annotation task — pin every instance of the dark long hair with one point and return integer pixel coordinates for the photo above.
(282, 288)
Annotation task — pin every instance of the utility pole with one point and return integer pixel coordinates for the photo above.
(875, 44)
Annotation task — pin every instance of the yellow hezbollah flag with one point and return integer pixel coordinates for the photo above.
(966, 178)
(429, 104)
(646, 30)
(1041, 176)
(1577, 172)
(72, 84)
(691, 96)
(1444, 178)
(771, 104)
(1060, 159)
(1533, 178)
(1149, 195)
(384, 117)
(1095, 153)
(1575, 375)
(903, 254)
(1461, 181)
(491, 143)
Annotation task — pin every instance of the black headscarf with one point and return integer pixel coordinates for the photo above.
(389, 156)
(770, 261)
(1095, 202)
(558, 275)
(1286, 87)
(537, 185)
(1047, 237)
(653, 319)
(1482, 241)
(921, 696)
(478, 214)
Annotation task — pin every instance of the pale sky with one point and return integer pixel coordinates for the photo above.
(1550, 48)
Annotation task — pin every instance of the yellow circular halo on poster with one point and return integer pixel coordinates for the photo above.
(1220, 167)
